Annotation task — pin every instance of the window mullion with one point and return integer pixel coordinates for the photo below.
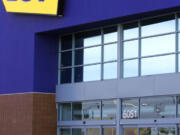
(139, 49)
(176, 43)
(120, 52)
(73, 58)
(102, 53)
(59, 62)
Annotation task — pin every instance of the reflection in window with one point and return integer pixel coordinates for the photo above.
(158, 107)
(66, 42)
(166, 131)
(110, 34)
(130, 31)
(110, 70)
(65, 112)
(92, 55)
(65, 131)
(92, 131)
(109, 108)
(130, 108)
(91, 110)
(77, 131)
(92, 73)
(159, 25)
(66, 75)
(130, 49)
(130, 68)
(158, 45)
(109, 131)
(147, 131)
(130, 131)
(110, 52)
(76, 111)
(66, 59)
(158, 65)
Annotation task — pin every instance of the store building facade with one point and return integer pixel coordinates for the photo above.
(101, 68)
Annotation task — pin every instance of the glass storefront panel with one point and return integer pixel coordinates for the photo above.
(130, 68)
(109, 108)
(92, 131)
(178, 105)
(65, 131)
(77, 111)
(130, 108)
(109, 131)
(110, 34)
(77, 131)
(130, 131)
(65, 112)
(110, 71)
(166, 131)
(130, 49)
(110, 52)
(130, 31)
(91, 110)
(158, 107)
(147, 131)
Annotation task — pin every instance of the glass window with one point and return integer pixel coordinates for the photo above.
(86, 39)
(77, 131)
(109, 131)
(109, 108)
(65, 111)
(66, 75)
(92, 73)
(179, 61)
(92, 131)
(130, 131)
(110, 35)
(147, 131)
(166, 131)
(130, 49)
(66, 42)
(76, 111)
(78, 74)
(130, 108)
(130, 68)
(110, 70)
(158, 107)
(92, 55)
(91, 110)
(178, 102)
(79, 57)
(130, 31)
(66, 59)
(110, 52)
(158, 25)
(158, 65)
(65, 131)
(158, 45)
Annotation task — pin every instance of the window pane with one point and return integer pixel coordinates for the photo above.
(76, 111)
(147, 131)
(130, 68)
(158, 26)
(92, 73)
(109, 109)
(66, 59)
(130, 31)
(158, 45)
(65, 112)
(65, 131)
(66, 42)
(109, 131)
(91, 110)
(130, 108)
(158, 65)
(92, 55)
(110, 52)
(179, 61)
(66, 75)
(130, 49)
(78, 74)
(93, 131)
(130, 131)
(178, 102)
(89, 38)
(110, 34)
(77, 131)
(158, 107)
(166, 131)
(179, 40)
(110, 70)
(79, 56)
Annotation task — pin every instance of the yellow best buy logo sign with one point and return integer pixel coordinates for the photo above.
(49, 7)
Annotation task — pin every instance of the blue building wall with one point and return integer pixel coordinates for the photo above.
(28, 60)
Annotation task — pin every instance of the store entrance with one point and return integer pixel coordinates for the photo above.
(151, 130)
